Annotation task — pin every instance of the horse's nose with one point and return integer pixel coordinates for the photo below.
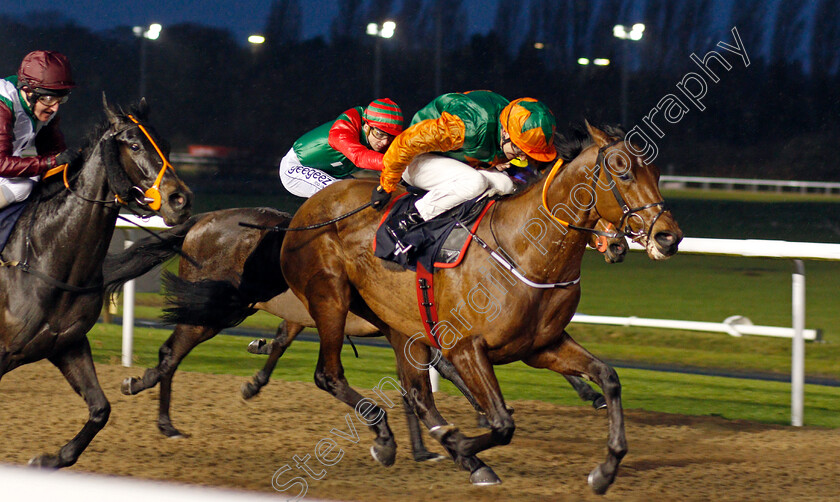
(618, 250)
(667, 242)
(179, 201)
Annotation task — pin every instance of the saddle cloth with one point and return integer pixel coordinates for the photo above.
(437, 243)
(8, 217)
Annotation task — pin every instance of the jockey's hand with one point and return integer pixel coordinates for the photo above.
(379, 198)
(67, 157)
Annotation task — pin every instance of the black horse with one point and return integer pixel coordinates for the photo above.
(51, 275)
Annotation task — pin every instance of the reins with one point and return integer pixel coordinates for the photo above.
(623, 228)
(506, 261)
(278, 228)
(24, 267)
(154, 234)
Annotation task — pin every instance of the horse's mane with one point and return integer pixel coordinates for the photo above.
(577, 139)
(92, 138)
(55, 184)
(569, 146)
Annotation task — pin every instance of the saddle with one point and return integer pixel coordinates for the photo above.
(438, 243)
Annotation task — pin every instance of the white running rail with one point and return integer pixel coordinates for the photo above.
(735, 326)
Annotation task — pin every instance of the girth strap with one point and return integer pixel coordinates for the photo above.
(426, 303)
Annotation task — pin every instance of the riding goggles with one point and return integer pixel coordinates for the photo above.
(380, 134)
(50, 99)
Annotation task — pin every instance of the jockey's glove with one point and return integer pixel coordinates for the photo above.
(67, 157)
(379, 198)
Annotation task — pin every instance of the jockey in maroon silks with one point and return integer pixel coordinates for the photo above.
(31, 141)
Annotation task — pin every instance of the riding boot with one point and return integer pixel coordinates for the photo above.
(408, 221)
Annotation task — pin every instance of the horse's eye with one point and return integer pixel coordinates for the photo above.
(625, 176)
(134, 147)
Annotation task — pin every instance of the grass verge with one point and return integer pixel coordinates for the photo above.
(731, 398)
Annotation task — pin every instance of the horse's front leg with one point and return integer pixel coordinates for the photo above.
(469, 356)
(76, 364)
(413, 361)
(569, 358)
(329, 300)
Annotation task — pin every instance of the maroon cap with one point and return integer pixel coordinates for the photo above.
(45, 70)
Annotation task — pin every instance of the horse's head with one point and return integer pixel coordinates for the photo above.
(613, 248)
(149, 178)
(628, 196)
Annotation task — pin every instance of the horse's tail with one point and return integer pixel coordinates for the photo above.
(144, 255)
(220, 303)
(212, 303)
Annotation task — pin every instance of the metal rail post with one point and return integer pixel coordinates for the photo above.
(797, 365)
(128, 319)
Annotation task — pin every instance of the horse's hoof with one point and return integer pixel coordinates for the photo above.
(171, 432)
(597, 481)
(125, 388)
(599, 403)
(249, 390)
(385, 455)
(259, 346)
(428, 456)
(441, 432)
(45, 462)
(484, 476)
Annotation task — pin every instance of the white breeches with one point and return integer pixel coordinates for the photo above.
(451, 182)
(301, 180)
(15, 190)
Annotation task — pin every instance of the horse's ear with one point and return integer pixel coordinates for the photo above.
(598, 136)
(143, 109)
(109, 112)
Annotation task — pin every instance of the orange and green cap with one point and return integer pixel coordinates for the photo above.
(385, 115)
(531, 127)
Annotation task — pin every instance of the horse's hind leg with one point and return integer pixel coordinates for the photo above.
(183, 339)
(569, 358)
(286, 334)
(415, 435)
(76, 364)
(586, 392)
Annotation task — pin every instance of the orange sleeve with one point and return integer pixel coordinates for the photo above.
(433, 135)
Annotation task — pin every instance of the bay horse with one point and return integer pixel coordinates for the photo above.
(332, 269)
(51, 278)
(249, 258)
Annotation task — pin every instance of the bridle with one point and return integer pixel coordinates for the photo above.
(151, 199)
(628, 213)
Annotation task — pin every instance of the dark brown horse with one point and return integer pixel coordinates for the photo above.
(51, 279)
(489, 315)
(249, 258)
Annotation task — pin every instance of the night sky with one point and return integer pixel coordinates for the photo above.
(242, 17)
